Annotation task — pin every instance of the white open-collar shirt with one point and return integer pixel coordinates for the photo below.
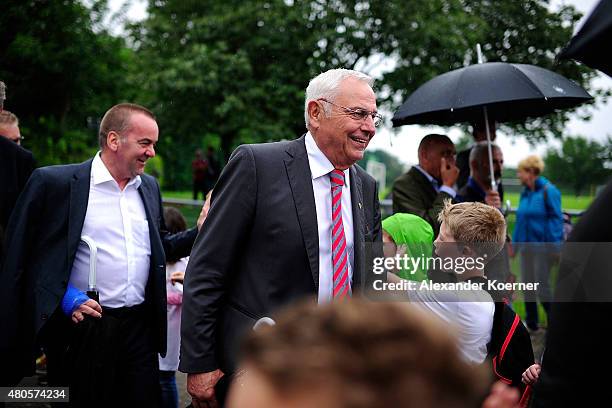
(117, 222)
(320, 167)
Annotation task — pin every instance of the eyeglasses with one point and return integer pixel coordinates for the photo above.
(359, 114)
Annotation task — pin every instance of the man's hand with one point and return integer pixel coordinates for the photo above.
(492, 199)
(204, 212)
(201, 387)
(177, 277)
(202, 217)
(91, 307)
(449, 173)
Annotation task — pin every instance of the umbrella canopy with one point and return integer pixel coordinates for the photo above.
(509, 91)
(591, 43)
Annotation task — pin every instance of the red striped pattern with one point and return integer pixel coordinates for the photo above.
(341, 284)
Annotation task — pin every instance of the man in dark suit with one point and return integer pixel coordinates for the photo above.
(424, 188)
(288, 220)
(16, 165)
(478, 189)
(109, 199)
(478, 186)
(479, 132)
(583, 304)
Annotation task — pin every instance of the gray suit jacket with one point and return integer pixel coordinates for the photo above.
(259, 249)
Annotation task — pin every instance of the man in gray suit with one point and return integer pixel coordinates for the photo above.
(287, 220)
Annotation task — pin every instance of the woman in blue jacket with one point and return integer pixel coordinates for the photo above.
(538, 232)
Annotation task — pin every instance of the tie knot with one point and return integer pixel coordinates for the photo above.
(337, 178)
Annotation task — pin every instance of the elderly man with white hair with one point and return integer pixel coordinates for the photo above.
(288, 220)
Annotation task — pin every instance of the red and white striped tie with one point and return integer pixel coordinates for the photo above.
(342, 285)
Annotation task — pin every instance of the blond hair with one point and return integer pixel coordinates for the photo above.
(475, 223)
(8, 118)
(532, 163)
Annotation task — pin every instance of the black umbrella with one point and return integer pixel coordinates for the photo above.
(508, 91)
(505, 91)
(91, 353)
(591, 43)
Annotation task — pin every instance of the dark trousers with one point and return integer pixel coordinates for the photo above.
(200, 186)
(169, 392)
(110, 361)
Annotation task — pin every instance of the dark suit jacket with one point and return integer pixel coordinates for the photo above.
(16, 165)
(576, 342)
(42, 239)
(414, 194)
(259, 249)
(463, 163)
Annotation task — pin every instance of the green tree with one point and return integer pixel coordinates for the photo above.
(580, 163)
(394, 167)
(62, 71)
(464, 142)
(235, 71)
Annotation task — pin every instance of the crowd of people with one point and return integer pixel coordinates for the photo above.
(265, 302)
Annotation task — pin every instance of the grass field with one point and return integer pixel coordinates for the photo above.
(568, 202)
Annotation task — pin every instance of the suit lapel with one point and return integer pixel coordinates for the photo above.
(155, 289)
(300, 180)
(79, 197)
(358, 226)
(147, 197)
(425, 183)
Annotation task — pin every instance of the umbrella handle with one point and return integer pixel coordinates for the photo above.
(264, 321)
(93, 255)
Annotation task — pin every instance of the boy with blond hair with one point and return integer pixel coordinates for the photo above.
(470, 235)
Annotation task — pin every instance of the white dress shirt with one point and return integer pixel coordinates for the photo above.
(171, 361)
(117, 222)
(472, 320)
(320, 167)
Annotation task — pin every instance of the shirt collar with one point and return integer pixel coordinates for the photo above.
(429, 177)
(100, 173)
(319, 164)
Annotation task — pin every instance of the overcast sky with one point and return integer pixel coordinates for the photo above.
(404, 144)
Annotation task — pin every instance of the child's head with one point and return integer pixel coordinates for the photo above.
(175, 222)
(477, 229)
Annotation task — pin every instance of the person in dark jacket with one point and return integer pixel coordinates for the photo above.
(45, 275)
(575, 344)
(478, 189)
(424, 188)
(478, 186)
(537, 232)
(16, 165)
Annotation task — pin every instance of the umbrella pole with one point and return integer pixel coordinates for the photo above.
(491, 170)
(486, 118)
